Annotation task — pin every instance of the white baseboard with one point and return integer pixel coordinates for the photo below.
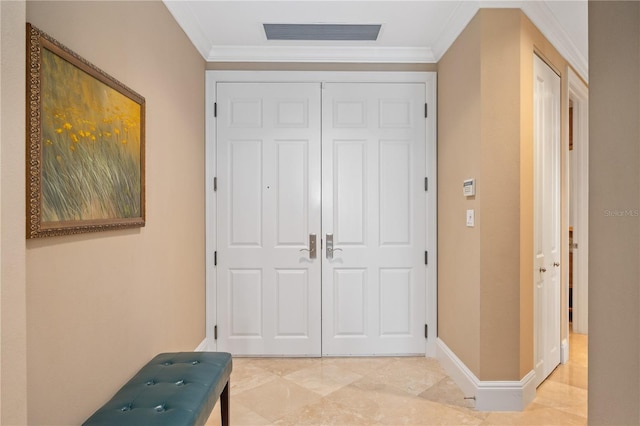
(202, 346)
(489, 395)
(564, 351)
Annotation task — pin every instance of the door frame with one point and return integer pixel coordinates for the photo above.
(579, 94)
(213, 77)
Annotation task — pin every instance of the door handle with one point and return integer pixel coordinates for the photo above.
(330, 248)
(312, 246)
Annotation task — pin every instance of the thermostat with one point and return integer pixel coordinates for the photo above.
(469, 187)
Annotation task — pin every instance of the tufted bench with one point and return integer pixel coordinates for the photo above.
(172, 389)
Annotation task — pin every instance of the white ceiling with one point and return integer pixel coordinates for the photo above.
(412, 31)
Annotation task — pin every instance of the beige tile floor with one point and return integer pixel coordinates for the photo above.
(388, 391)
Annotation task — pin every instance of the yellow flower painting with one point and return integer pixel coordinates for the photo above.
(91, 160)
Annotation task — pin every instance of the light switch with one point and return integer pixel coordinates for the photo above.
(471, 218)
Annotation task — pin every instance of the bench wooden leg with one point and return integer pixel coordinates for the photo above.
(224, 405)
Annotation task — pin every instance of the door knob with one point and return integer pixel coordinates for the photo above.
(312, 246)
(330, 248)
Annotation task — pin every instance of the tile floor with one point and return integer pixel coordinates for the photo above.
(388, 391)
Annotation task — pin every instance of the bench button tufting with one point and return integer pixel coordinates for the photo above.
(134, 402)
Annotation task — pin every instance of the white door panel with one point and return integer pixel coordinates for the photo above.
(547, 219)
(268, 205)
(373, 203)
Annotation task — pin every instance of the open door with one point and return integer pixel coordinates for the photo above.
(547, 215)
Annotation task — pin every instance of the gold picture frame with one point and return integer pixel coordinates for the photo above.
(85, 144)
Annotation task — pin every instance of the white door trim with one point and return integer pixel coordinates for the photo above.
(430, 81)
(579, 94)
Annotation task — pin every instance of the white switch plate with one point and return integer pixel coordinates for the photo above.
(471, 218)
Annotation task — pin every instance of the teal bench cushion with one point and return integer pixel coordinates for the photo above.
(172, 389)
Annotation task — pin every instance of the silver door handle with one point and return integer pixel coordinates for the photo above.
(312, 246)
(330, 248)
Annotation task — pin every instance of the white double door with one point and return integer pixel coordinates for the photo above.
(342, 162)
(546, 219)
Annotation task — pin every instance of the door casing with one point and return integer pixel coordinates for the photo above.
(430, 81)
(579, 94)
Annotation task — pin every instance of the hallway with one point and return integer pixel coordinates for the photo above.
(388, 391)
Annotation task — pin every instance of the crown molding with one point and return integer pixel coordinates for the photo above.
(540, 14)
(365, 54)
(456, 23)
(187, 20)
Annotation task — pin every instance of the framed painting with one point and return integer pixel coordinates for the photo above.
(85, 144)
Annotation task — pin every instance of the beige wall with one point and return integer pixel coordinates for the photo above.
(13, 309)
(485, 131)
(500, 132)
(459, 111)
(614, 186)
(100, 305)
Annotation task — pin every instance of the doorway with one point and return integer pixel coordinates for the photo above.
(579, 203)
(547, 214)
(339, 189)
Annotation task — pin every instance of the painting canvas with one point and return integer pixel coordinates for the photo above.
(85, 146)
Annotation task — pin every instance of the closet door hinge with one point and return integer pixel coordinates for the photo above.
(426, 184)
(426, 110)
(426, 257)
(215, 109)
(215, 183)
(215, 332)
(426, 331)
(215, 258)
